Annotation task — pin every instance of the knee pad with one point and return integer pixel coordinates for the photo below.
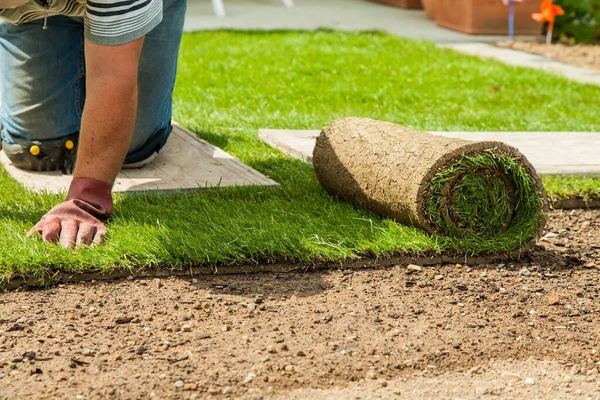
(47, 155)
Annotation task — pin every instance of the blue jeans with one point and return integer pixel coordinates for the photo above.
(42, 80)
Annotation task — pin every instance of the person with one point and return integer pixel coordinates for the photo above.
(86, 87)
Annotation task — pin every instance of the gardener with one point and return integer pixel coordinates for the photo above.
(86, 85)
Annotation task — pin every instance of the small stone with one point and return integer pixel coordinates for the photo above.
(414, 268)
(272, 379)
(190, 386)
(225, 328)
(567, 378)
(393, 333)
(186, 328)
(29, 355)
(371, 352)
(529, 381)
(525, 272)
(510, 376)
(227, 390)
(553, 299)
(249, 378)
(88, 352)
(158, 283)
(179, 384)
(575, 369)
(271, 349)
(289, 369)
(438, 277)
(124, 320)
(251, 306)
(371, 375)
(140, 350)
(301, 354)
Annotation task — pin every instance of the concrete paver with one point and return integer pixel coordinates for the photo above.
(549, 152)
(522, 59)
(350, 15)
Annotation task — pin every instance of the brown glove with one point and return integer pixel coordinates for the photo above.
(78, 219)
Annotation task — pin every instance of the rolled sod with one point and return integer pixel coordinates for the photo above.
(484, 194)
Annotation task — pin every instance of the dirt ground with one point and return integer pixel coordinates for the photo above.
(519, 329)
(581, 55)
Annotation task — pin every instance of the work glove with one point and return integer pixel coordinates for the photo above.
(78, 220)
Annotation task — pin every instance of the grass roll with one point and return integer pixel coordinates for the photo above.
(485, 195)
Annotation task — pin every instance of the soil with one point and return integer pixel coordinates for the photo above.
(519, 329)
(581, 55)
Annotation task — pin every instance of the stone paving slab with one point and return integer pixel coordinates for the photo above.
(349, 15)
(185, 163)
(523, 59)
(549, 152)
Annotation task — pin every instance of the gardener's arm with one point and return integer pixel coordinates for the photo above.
(106, 128)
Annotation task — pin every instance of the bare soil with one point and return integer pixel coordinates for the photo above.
(581, 55)
(519, 329)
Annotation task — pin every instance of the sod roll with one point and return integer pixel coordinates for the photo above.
(484, 193)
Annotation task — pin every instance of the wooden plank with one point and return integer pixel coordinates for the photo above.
(185, 163)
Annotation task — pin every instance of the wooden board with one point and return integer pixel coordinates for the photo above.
(185, 163)
(549, 152)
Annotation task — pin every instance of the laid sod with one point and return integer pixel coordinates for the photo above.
(230, 84)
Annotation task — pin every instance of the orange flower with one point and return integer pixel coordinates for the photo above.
(548, 14)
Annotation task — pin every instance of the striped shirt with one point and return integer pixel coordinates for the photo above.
(108, 22)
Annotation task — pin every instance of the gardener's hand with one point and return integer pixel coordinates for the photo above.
(78, 220)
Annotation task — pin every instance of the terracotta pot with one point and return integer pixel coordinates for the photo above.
(429, 6)
(487, 17)
(414, 4)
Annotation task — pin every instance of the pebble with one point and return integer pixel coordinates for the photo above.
(414, 268)
(225, 328)
(186, 328)
(510, 376)
(371, 352)
(371, 375)
(124, 320)
(190, 386)
(251, 306)
(289, 369)
(179, 384)
(525, 272)
(553, 299)
(227, 390)
(158, 283)
(249, 378)
(271, 349)
(575, 369)
(529, 381)
(140, 350)
(393, 333)
(301, 354)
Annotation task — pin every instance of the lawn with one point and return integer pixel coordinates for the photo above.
(230, 84)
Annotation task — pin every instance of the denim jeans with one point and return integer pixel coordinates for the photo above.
(42, 80)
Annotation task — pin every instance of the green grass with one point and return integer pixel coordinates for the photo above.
(230, 84)
(492, 205)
